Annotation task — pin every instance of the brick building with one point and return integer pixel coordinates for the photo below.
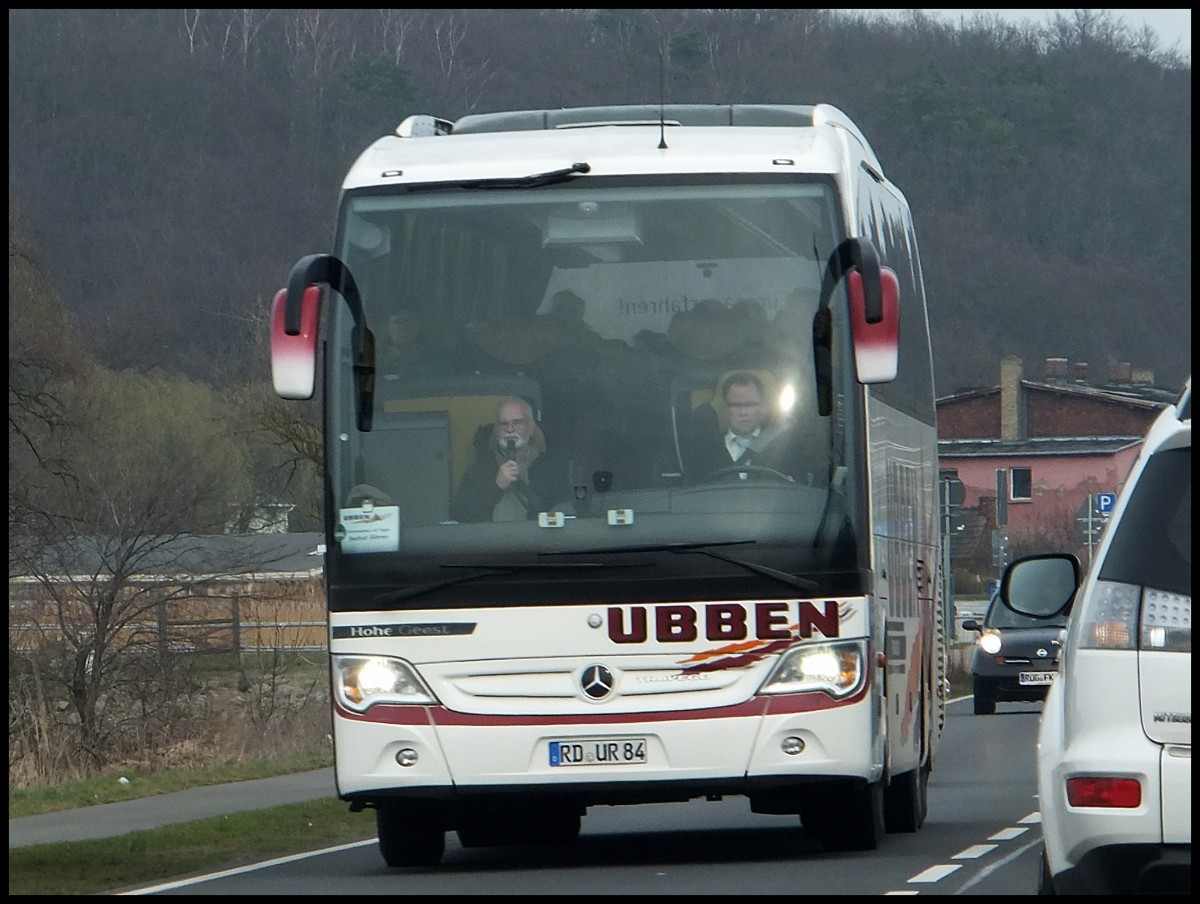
(1047, 445)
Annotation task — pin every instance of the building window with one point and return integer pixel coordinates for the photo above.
(1020, 484)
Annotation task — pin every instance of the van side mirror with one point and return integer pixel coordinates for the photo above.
(1041, 586)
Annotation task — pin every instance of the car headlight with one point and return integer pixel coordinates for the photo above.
(834, 668)
(362, 681)
(989, 642)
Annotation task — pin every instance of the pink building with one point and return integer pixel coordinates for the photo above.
(1043, 448)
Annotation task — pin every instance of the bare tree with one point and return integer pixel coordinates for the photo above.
(44, 354)
(284, 437)
(242, 27)
(463, 72)
(99, 556)
(191, 26)
(395, 28)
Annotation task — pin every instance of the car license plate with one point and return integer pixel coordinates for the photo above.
(598, 752)
(1036, 677)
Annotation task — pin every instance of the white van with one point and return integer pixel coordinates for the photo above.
(1114, 753)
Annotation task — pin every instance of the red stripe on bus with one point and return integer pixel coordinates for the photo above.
(438, 715)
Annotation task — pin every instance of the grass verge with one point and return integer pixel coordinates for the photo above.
(140, 858)
(108, 789)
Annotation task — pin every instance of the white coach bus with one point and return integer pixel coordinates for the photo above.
(633, 620)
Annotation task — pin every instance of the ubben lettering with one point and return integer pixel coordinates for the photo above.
(722, 622)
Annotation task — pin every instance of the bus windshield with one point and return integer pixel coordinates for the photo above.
(606, 374)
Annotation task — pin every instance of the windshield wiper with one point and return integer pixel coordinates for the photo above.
(397, 596)
(532, 181)
(705, 549)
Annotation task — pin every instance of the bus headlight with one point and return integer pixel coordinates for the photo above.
(834, 668)
(362, 681)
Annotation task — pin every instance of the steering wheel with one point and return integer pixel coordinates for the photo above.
(752, 472)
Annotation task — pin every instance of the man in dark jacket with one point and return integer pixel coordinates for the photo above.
(753, 438)
(510, 478)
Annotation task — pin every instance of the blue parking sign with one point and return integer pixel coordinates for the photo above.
(1105, 502)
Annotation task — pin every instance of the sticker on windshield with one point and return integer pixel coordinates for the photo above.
(369, 528)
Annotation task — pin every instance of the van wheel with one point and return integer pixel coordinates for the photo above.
(1045, 880)
(410, 835)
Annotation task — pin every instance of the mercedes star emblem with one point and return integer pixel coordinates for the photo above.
(597, 681)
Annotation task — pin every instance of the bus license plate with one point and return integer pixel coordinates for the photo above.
(1036, 677)
(598, 752)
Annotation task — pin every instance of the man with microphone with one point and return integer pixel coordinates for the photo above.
(511, 478)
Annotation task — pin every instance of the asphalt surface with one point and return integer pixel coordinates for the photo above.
(110, 820)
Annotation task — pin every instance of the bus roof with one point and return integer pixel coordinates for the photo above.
(616, 140)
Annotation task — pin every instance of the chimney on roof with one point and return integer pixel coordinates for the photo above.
(1118, 372)
(1056, 370)
(1081, 372)
(1142, 378)
(1012, 399)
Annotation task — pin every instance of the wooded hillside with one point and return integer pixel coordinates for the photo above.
(169, 166)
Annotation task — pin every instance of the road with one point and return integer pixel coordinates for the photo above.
(109, 820)
(982, 837)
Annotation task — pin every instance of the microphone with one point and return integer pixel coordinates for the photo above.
(510, 449)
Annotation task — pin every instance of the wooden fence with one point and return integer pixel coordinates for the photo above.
(245, 617)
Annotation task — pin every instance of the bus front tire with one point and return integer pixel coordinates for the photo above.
(849, 819)
(410, 836)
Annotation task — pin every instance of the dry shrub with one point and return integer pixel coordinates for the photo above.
(166, 715)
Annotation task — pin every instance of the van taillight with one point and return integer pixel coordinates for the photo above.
(1100, 791)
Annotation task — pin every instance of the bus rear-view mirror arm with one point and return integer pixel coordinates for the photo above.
(873, 292)
(295, 323)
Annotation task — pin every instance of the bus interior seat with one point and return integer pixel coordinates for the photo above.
(414, 448)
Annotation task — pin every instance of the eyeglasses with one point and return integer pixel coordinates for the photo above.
(518, 422)
(743, 404)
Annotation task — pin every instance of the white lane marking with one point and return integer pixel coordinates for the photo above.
(1008, 834)
(991, 868)
(936, 873)
(912, 891)
(183, 883)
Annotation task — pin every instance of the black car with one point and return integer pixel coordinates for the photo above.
(1016, 656)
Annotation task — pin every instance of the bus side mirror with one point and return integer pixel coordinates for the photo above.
(876, 345)
(294, 324)
(294, 358)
